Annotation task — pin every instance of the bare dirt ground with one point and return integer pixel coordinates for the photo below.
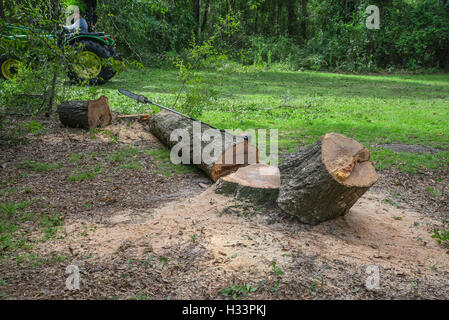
(146, 233)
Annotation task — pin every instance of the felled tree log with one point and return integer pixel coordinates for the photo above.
(222, 154)
(257, 182)
(85, 114)
(325, 180)
(133, 117)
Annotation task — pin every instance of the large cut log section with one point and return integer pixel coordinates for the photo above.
(325, 180)
(85, 114)
(258, 182)
(219, 156)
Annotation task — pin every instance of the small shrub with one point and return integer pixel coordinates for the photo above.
(237, 292)
(441, 236)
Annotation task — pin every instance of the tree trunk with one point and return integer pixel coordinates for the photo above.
(206, 12)
(216, 157)
(85, 114)
(258, 183)
(304, 20)
(52, 94)
(2, 10)
(197, 12)
(211, 16)
(325, 180)
(292, 18)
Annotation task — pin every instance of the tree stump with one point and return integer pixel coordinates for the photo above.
(216, 152)
(325, 180)
(257, 182)
(85, 114)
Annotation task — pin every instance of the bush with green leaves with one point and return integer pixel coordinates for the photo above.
(239, 291)
(441, 236)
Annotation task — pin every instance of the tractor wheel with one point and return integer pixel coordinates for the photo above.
(8, 67)
(91, 63)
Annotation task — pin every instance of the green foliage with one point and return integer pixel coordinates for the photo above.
(239, 291)
(161, 158)
(441, 236)
(37, 166)
(331, 35)
(12, 215)
(50, 223)
(89, 174)
(123, 154)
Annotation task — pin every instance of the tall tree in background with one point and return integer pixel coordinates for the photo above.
(205, 15)
(2, 11)
(197, 14)
(292, 19)
(304, 20)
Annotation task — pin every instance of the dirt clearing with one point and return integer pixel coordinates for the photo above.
(140, 228)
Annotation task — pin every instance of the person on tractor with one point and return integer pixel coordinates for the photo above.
(80, 24)
(92, 61)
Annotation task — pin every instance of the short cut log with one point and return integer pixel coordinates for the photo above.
(325, 180)
(85, 114)
(258, 183)
(216, 152)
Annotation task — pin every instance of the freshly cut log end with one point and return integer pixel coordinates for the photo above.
(85, 114)
(325, 180)
(229, 161)
(230, 152)
(258, 182)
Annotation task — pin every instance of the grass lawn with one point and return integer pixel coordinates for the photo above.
(373, 109)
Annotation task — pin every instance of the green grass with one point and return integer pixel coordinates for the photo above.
(50, 224)
(123, 154)
(161, 158)
(373, 109)
(434, 192)
(39, 166)
(409, 162)
(11, 235)
(76, 157)
(131, 166)
(15, 219)
(33, 261)
(92, 173)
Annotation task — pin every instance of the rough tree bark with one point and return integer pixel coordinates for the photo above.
(2, 10)
(257, 182)
(216, 157)
(85, 114)
(206, 12)
(325, 180)
(291, 18)
(304, 20)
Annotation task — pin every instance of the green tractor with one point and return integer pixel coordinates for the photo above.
(93, 60)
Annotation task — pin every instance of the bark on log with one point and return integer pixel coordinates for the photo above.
(133, 117)
(325, 180)
(85, 114)
(258, 182)
(216, 157)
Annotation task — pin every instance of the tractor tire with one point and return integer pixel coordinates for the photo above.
(8, 67)
(97, 74)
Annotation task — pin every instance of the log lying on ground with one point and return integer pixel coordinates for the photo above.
(133, 117)
(258, 182)
(325, 180)
(229, 152)
(85, 114)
